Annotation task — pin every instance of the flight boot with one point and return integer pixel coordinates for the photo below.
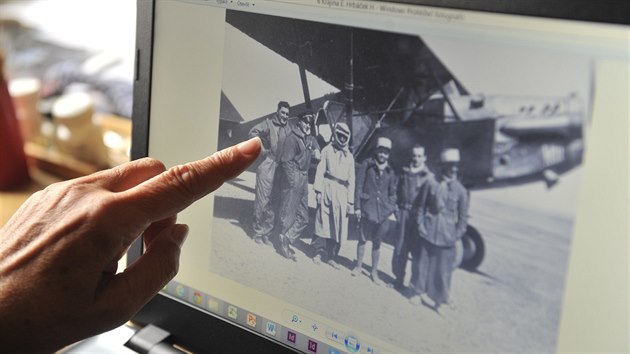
(285, 248)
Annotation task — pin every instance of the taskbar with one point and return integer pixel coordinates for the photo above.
(302, 336)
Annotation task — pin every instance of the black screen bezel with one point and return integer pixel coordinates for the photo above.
(200, 332)
(605, 11)
(189, 327)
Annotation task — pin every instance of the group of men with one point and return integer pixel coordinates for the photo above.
(427, 212)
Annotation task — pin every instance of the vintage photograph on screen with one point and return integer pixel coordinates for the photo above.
(419, 188)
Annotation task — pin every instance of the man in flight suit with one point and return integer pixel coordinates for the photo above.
(299, 148)
(334, 193)
(272, 133)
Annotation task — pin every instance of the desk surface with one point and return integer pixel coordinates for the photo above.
(11, 200)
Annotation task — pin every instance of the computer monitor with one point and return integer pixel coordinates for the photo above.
(522, 249)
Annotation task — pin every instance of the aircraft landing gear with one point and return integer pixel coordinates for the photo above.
(470, 250)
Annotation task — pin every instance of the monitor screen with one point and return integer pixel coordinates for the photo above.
(429, 181)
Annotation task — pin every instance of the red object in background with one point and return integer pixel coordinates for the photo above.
(13, 169)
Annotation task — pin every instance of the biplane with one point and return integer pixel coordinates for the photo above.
(393, 85)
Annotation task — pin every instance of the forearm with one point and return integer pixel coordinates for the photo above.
(58, 253)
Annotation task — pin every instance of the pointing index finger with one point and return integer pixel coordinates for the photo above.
(178, 187)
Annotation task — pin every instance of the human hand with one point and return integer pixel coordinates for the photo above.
(263, 150)
(59, 252)
(357, 214)
(392, 217)
(317, 155)
(265, 140)
(318, 197)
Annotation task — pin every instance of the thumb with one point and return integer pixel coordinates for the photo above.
(148, 274)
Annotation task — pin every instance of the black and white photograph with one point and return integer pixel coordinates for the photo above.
(417, 187)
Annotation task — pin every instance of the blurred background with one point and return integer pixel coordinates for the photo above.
(69, 67)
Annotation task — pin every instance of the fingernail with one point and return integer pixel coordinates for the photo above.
(179, 234)
(250, 147)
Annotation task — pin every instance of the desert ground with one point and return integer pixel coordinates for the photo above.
(512, 303)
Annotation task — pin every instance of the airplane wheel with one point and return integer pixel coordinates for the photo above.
(474, 249)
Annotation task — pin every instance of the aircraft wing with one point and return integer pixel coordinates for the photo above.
(383, 62)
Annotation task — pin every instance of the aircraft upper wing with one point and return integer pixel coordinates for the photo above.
(383, 62)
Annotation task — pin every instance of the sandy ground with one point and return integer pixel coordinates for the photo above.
(511, 304)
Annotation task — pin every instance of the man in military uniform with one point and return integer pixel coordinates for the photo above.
(410, 181)
(442, 222)
(375, 204)
(272, 132)
(334, 192)
(299, 148)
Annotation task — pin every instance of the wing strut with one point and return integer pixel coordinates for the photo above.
(350, 89)
(300, 57)
(378, 122)
(448, 100)
(307, 95)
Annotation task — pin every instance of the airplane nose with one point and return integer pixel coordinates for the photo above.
(575, 151)
(550, 177)
(560, 125)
